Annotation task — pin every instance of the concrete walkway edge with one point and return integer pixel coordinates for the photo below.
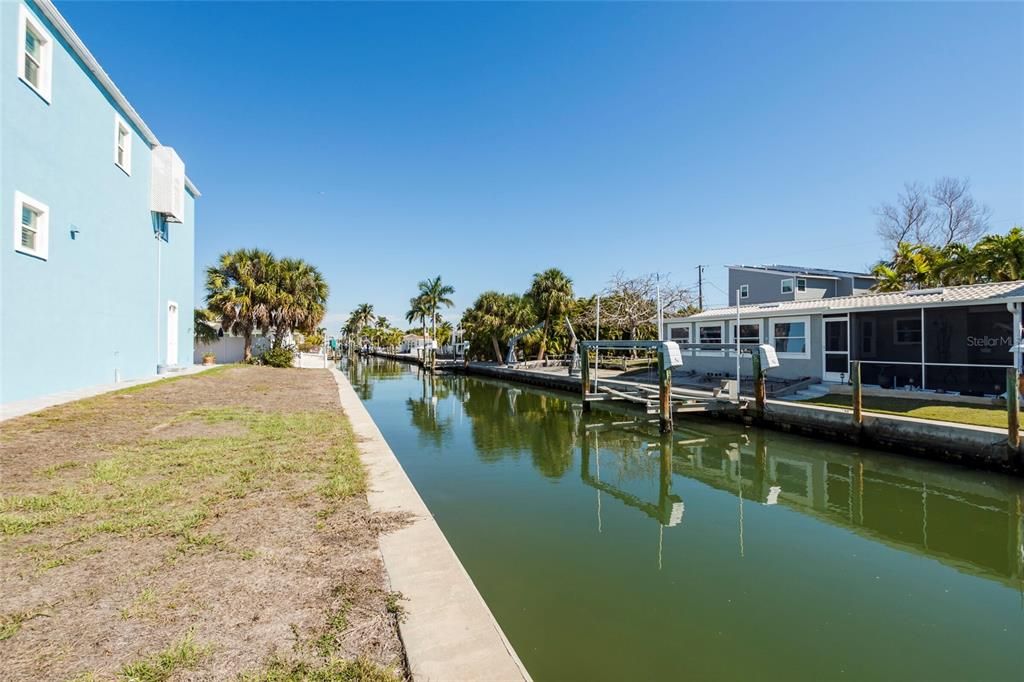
(449, 632)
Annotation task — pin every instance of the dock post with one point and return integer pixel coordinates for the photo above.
(664, 394)
(858, 398)
(1013, 414)
(585, 379)
(759, 388)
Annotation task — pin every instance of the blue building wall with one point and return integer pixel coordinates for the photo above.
(92, 307)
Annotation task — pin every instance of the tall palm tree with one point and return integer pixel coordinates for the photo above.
(552, 296)
(240, 291)
(435, 294)
(361, 318)
(201, 329)
(300, 300)
(418, 310)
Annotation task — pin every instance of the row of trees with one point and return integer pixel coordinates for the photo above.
(628, 310)
(994, 258)
(937, 238)
(250, 290)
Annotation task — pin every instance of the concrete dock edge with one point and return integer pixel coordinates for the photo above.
(449, 632)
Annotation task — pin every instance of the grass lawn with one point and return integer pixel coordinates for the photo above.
(210, 527)
(979, 415)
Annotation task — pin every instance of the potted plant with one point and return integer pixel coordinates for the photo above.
(209, 358)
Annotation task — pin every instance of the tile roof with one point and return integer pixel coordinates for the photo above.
(995, 292)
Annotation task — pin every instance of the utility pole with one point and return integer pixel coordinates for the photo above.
(700, 288)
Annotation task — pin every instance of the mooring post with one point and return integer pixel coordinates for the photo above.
(585, 379)
(1013, 414)
(858, 398)
(759, 389)
(664, 393)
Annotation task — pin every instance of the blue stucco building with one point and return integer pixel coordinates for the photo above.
(97, 221)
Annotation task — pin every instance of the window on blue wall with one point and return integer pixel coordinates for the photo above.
(31, 231)
(36, 57)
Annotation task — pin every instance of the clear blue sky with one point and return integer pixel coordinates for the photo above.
(485, 142)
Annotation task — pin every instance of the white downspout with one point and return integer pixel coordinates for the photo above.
(158, 306)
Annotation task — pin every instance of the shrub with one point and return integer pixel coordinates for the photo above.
(279, 357)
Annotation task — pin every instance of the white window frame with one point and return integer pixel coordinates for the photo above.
(119, 125)
(801, 284)
(708, 325)
(744, 291)
(744, 323)
(27, 21)
(689, 334)
(42, 248)
(806, 355)
(782, 285)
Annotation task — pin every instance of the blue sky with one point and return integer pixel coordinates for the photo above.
(484, 142)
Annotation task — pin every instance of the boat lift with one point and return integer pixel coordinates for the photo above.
(665, 401)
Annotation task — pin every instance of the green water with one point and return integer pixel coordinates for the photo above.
(608, 552)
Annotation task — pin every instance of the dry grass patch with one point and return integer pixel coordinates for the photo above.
(195, 527)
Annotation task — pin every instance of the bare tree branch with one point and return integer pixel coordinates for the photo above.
(908, 220)
(957, 217)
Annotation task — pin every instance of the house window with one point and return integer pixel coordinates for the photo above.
(750, 332)
(31, 226)
(907, 331)
(710, 333)
(744, 291)
(790, 336)
(787, 285)
(867, 338)
(801, 284)
(122, 145)
(36, 55)
(681, 334)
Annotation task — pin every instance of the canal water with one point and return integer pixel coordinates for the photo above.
(609, 552)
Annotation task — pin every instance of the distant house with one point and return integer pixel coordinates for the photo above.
(97, 265)
(953, 339)
(770, 283)
(414, 343)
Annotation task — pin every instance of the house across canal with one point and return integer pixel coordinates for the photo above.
(950, 339)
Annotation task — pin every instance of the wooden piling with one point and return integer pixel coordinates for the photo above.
(664, 393)
(1013, 414)
(858, 397)
(759, 388)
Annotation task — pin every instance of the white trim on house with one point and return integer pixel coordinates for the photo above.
(60, 23)
(720, 325)
(41, 246)
(122, 157)
(27, 22)
(773, 340)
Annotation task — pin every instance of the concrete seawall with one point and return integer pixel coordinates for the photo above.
(449, 632)
(975, 446)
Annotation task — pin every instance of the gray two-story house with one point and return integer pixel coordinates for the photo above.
(780, 283)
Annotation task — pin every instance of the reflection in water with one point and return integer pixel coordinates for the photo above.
(610, 552)
(970, 522)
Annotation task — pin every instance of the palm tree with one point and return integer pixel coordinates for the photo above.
(240, 292)
(552, 296)
(300, 300)
(361, 318)
(484, 319)
(435, 294)
(418, 310)
(1000, 258)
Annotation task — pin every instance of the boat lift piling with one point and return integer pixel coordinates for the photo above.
(669, 402)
